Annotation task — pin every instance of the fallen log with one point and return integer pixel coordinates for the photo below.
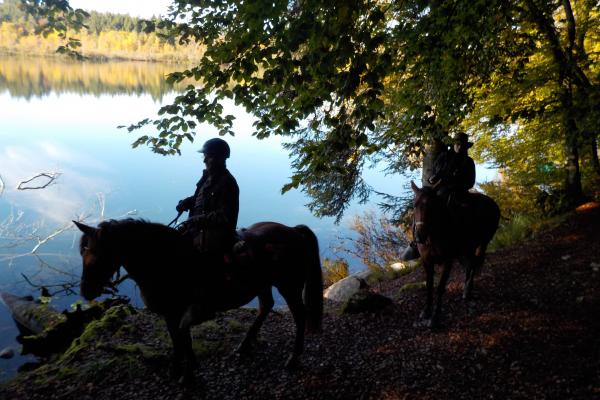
(44, 330)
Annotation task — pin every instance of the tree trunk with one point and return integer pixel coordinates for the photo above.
(573, 182)
(573, 188)
(432, 151)
(595, 161)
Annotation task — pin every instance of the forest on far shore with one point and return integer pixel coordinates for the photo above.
(108, 36)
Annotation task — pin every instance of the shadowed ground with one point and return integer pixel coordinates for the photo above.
(533, 331)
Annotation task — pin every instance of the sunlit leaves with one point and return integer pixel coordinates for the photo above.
(58, 16)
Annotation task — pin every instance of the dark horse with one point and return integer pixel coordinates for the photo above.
(187, 287)
(443, 237)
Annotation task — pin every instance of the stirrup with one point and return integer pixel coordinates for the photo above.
(239, 246)
(410, 253)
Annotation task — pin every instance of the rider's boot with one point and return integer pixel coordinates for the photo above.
(411, 252)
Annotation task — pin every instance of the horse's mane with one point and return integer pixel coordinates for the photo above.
(428, 190)
(140, 229)
(134, 224)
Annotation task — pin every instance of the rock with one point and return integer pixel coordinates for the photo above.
(344, 289)
(7, 353)
(365, 300)
(404, 265)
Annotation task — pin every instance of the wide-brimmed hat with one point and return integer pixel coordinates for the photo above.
(463, 139)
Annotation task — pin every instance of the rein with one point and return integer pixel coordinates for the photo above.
(175, 219)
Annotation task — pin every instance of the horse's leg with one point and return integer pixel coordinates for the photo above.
(265, 305)
(468, 265)
(177, 358)
(195, 314)
(437, 312)
(475, 264)
(293, 298)
(429, 271)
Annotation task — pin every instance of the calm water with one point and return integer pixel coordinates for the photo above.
(61, 117)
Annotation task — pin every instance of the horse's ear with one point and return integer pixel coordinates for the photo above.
(414, 187)
(88, 230)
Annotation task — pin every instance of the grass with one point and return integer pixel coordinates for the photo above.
(521, 227)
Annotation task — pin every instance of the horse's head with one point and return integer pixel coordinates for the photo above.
(99, 264)
(426, 212)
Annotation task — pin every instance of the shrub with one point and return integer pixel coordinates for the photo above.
(334, 270)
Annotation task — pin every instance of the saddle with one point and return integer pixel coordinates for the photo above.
(460, 207)
(247, 246)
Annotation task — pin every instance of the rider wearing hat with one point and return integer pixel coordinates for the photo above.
(454, 171)
(453, 176)
(214, 206)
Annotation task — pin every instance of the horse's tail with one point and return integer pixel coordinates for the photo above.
(489, 217)
(313, 286)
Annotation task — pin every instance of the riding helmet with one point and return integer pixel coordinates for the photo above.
(216, 147)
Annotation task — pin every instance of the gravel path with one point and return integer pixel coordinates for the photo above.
(533, 332)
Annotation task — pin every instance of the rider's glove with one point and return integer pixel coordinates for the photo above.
(180, 206)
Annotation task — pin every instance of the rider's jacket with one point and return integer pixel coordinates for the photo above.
(455, 171)
(214, 208)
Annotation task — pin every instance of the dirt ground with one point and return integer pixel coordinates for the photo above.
(532, 332)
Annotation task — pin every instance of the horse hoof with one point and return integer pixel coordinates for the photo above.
(175, 372)
(292, 363)
(434, 324)
(187, 380)
(421, 323)
(242, 350)
(425, 315)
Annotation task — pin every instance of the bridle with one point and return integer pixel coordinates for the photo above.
(110, 287)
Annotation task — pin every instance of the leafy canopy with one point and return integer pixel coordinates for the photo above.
(358, 82)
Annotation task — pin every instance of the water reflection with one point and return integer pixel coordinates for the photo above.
(65, 193)
(30, 77)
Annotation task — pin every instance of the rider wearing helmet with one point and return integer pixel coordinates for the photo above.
(214, 206)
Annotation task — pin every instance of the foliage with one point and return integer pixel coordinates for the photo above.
(537, 116)
(514, 199)
(353, 83)
(525, 209)
(98, 35)
(512, 231)
(334, 270)
(359, 82)
(377, 242)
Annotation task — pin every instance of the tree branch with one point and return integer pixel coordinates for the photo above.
(51, 176)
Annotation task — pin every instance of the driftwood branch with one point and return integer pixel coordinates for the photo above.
(66, 287)
(57, 232)
(50, 178)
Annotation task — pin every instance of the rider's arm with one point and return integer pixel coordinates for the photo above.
(185, 204)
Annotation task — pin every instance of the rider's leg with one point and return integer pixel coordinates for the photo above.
(412, 251)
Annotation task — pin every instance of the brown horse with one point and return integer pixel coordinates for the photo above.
(443, 237)
(188, 288)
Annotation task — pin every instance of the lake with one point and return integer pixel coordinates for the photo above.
(60, 117)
